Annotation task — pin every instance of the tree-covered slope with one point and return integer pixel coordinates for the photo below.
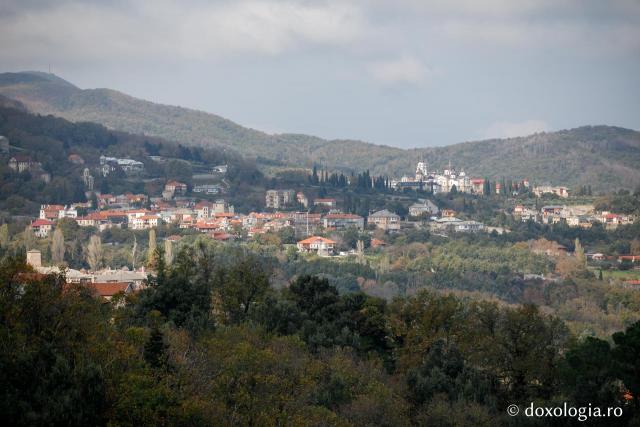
(604, 157)
(50, 141)
(48, 94)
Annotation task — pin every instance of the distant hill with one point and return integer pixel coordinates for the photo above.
(48, 94)
(605, 157)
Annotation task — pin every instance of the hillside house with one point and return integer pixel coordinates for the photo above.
(320, 245)
(220, 206)
(277, 199)
(525, 214)
(327, 203)
(108, 290)
(456, 225)
(611, 221)
(552, 214)
(540, 191)
(423, 209)
(448, 213)
(207, 189)
(340, 221)
(145, 222)
(42, 227)
(175, 187)
(477, 185)
(385, 220)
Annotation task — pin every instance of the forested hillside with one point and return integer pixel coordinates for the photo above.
(50, 141)
(209, 342)
(604, 157)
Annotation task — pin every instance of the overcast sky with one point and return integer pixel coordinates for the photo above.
(405, 73)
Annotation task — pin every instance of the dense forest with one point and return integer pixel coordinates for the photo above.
(210, 342)
(602, 156)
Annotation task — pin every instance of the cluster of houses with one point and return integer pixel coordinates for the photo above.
(104, 283)
(219, 220)
(584, 216)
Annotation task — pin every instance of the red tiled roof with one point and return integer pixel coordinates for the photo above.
(377, 242)
(314, 239)
(109, 289)
(148, 217)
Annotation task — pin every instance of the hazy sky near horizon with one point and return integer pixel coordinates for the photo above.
(407, 73)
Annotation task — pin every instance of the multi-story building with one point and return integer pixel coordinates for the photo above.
(385, 220)
(53, 212)
(452, 224)
(340, 221)
(327, 203)
(320, 245)
(220, 206)
(552, 214)
(176, 187)
(477, 185)
(207, 189)
(42, 227)
(422, 209)
(277, 199)
(547, 189)
(144, 222)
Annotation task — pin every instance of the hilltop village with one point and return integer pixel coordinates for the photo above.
(187, 208)
(180, 207)
(104, 208)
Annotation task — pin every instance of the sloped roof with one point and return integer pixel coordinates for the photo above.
(383, 213)
(316, 239)
(109, 289)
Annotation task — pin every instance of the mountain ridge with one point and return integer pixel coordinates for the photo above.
(580, 156)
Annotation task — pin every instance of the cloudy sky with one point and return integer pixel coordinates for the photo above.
(405, 73)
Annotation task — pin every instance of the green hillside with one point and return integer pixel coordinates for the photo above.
(50, 141)
(605, 157)
(48, 94)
